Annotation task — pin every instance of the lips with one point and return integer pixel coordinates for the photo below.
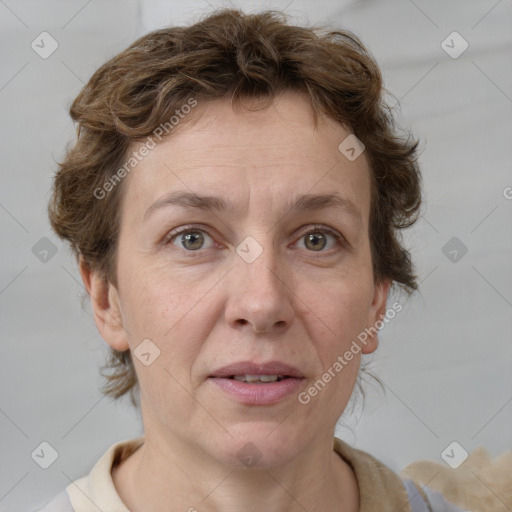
(278, 368)
(258, 384)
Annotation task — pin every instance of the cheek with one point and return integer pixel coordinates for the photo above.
(343, 316)
(174, 320)
(176, 313)
(342, 307)
(339, 307)
(155, 298)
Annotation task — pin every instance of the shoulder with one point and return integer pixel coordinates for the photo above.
(382, 489)
(467, 485)
(97, 487)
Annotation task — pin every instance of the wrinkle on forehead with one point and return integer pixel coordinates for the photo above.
(221, 150)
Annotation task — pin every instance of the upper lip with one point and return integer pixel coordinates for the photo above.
(250, 368)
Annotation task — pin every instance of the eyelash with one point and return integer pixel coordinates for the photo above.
(316, 228)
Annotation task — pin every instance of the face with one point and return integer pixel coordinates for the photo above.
(272, 275)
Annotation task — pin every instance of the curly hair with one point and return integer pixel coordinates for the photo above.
(242, 56)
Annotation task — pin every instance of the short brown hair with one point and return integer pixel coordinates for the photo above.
(242, 56)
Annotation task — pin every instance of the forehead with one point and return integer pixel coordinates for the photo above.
(261, 156)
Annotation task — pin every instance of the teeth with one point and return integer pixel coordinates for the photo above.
(269, 378)
(257, 378)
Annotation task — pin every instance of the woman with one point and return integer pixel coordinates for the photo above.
(234, 199)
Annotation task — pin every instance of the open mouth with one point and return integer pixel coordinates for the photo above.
(258, 379)
(258, 389)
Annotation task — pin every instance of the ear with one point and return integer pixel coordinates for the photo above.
(377, 312)
(105, 305)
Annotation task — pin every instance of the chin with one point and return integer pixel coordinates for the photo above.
(259, 445)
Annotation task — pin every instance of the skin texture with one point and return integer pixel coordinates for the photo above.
(208, 308)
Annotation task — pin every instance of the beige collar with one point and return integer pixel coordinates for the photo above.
(381, 490)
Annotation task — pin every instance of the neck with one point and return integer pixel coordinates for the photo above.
(318, 480)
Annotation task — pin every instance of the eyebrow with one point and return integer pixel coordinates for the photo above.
(303, 202)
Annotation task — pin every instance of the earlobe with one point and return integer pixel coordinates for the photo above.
(105, 306)
(376, 314)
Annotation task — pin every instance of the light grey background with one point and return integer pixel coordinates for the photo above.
(445, 360)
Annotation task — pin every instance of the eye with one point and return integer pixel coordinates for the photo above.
(320, 238)
(190, 239)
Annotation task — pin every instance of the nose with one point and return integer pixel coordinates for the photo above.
(260, 295)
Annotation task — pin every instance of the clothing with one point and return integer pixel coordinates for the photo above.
(381, 490)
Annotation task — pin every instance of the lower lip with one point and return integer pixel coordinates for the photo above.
(258, 394)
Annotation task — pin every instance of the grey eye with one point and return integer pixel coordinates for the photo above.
(191, 240)
(315, 241)
(318, 239)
